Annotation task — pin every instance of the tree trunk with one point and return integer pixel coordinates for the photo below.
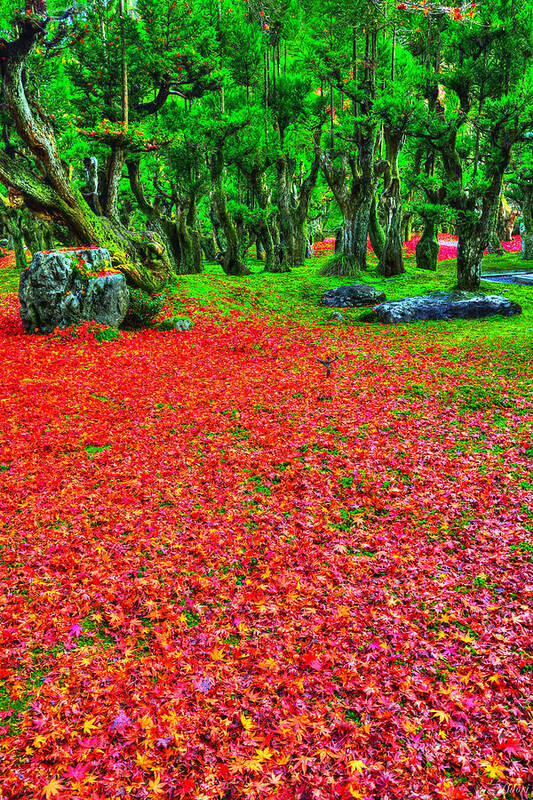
(375, 230)
(354, 198)
(115, 165)
(293, 208)
(526, 226)
(351, 258)
(285, 246)
(470, 249)
(494, 246)
(181, 239)
(231, 263)
(474, 236)
(190, 251)
(427, 249)
(273, 262)
(391, 261)
(208, 247)
(300, 213)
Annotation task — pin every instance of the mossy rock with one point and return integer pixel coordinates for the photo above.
(174, 323)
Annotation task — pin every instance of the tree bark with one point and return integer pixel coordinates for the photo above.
(231, 263)
(473, 236)
(375, 230)
(427, 248)
(470, 249)
(115, 165)
(14, 223)
(355, 203)
(526, 227)
(391, 261)
(182, 243)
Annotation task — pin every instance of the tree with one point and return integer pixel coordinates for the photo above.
(44, 187)
(478, 107)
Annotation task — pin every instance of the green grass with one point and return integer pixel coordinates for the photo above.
(297, 293)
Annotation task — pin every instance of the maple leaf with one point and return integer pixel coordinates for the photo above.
(143, 761)
(246, 723)
(441, 715)
(510, 745)
(89, 725)
(492, 769)
(357, 766)
(254, 764)
(52, 789)
(156, 785)
(310, 660)
(264, 754)
(77, 772)
(217, 654)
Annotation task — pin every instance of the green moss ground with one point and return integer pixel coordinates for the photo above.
(297, 294)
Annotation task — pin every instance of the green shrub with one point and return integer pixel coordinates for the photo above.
(106, 334)
(143, 309)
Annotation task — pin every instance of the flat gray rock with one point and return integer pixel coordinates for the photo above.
(444, 305)
(53, 294)
(352, 296)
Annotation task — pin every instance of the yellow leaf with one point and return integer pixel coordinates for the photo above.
(156, 785)
(410, 727)
(39, 740)
(217, 654)
(146, 722)
(442, 716)
(253, 765)
(246, 723)
(268, 663)
(143, 761)
(52, 789)
(263, 755)
(357, 766)
(89, 726)
(493, 770)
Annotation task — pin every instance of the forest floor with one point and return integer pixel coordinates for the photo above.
(223, 575)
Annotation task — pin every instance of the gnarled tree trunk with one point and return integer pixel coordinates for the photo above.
(231, 262)
(375, 230)
(427, 248)
(391, 260)
(526, 227)
(355, 203)
(182, 244)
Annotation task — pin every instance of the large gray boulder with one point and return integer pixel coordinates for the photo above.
(53, 293)
(352, 296)
(444, 305)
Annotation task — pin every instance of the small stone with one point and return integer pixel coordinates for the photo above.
(184, 324)
(337, 317)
